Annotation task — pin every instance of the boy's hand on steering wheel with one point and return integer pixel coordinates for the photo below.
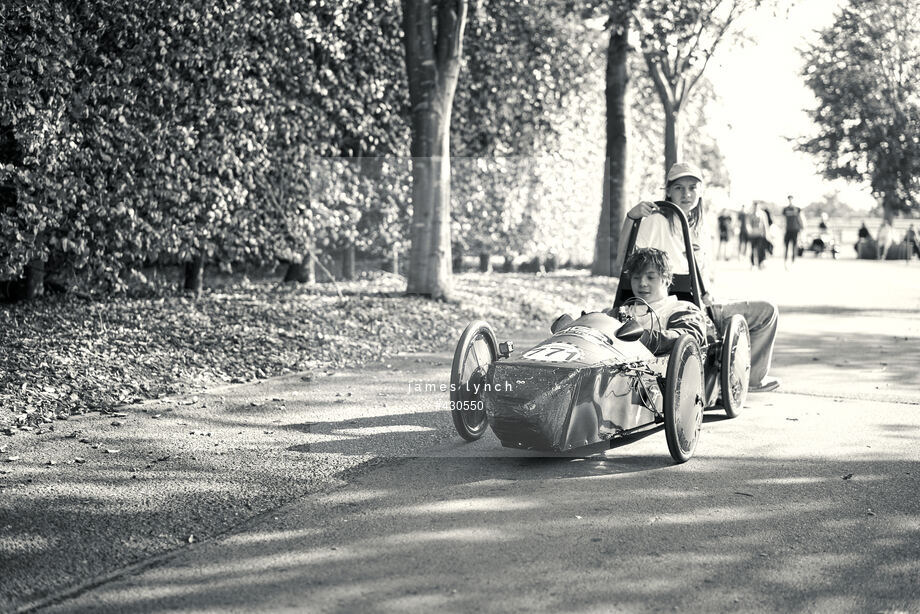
(643, 209)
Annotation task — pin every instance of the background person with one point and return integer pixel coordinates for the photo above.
(725, 234)
(743, 237)
(863, 236)
(885, 239)
(910, 237)
(795, 223)
(684, 186)
(757, 235)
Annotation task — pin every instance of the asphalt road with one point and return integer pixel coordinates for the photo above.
(807, 502)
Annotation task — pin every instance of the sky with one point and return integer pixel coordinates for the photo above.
(762, 101)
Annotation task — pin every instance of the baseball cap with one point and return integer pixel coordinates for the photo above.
(684, 169)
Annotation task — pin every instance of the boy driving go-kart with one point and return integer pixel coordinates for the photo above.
(663, 316)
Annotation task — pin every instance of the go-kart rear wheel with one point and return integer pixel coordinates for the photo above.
(683, 398)
(476, 350)
(736, 365)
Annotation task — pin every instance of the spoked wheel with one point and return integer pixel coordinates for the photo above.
(476, 350)
(683, 398)
(736, 365)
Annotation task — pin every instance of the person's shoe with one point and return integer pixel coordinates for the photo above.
(766, 385)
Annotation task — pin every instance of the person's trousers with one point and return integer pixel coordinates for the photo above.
(790, 240)
(762, 320)
(758, 250)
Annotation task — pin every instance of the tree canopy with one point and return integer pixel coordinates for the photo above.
(865, 73)
(678, 39)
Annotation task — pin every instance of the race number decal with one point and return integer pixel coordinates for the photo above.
(554, 352)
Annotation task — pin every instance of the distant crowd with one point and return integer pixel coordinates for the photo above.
(754, 233)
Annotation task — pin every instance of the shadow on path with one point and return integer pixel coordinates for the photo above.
(743, 534)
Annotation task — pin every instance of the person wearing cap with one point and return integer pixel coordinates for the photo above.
(684, 187)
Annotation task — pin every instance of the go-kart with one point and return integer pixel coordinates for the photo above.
(592, 380)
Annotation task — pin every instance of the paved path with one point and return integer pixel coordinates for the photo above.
(807, 502)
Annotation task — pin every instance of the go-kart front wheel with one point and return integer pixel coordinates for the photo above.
(736, 365)
(476, 350)
(683, 398)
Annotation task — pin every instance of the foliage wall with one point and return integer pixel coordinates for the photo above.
(524, 132)
(150, 131)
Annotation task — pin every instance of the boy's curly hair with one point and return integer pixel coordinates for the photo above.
(643, 257)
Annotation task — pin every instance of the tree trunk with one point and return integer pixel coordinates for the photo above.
(890, 203)
(485, 262)
(194, 275)
(301, 272)
(671, 136)
(348, 263)
(671, 94)
(429, 255)
(457, 258)
(35, 279)
(433, 68)
(617, 80)
(394, 260)
(604, 241)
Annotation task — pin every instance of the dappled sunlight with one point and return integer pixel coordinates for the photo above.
(812, 480)
(25, 544)
(347, 496)
(417, 603)
(468, 535)
(789, 529)
(265, 537)
(476, 504)
(816, 569)
(384, 430)
(909, 571)
(908, 524)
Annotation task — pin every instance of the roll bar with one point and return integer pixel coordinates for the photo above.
(691, 285)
